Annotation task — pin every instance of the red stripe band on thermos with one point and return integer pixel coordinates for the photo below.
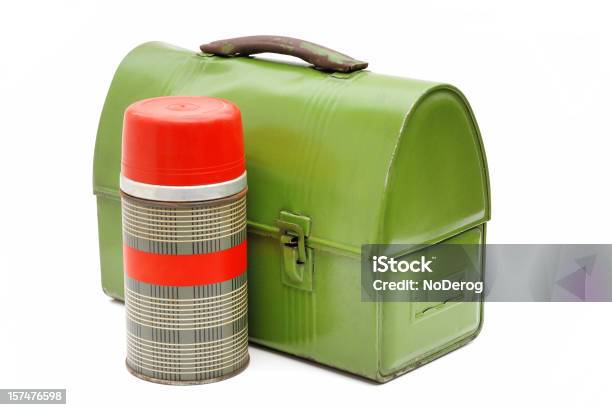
(185, 270)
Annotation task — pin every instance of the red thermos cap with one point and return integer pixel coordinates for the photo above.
(182, 141)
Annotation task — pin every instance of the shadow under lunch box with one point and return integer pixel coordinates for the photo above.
(337, 157)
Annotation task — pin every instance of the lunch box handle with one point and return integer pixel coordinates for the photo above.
(321, 57)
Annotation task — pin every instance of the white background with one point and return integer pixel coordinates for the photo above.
(538, 77)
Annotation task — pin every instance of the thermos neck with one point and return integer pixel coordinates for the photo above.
(189, 193)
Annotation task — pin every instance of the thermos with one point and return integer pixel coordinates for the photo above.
(183, 186)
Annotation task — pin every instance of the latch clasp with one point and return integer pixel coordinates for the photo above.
(297, 257)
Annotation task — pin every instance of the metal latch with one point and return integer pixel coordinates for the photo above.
(296, 256)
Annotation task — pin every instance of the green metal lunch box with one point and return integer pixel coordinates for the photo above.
(337, 156)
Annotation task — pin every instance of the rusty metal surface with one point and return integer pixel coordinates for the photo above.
(321, 57)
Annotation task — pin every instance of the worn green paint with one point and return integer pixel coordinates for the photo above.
(228, 48)
(368, 158)
(329, 54)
